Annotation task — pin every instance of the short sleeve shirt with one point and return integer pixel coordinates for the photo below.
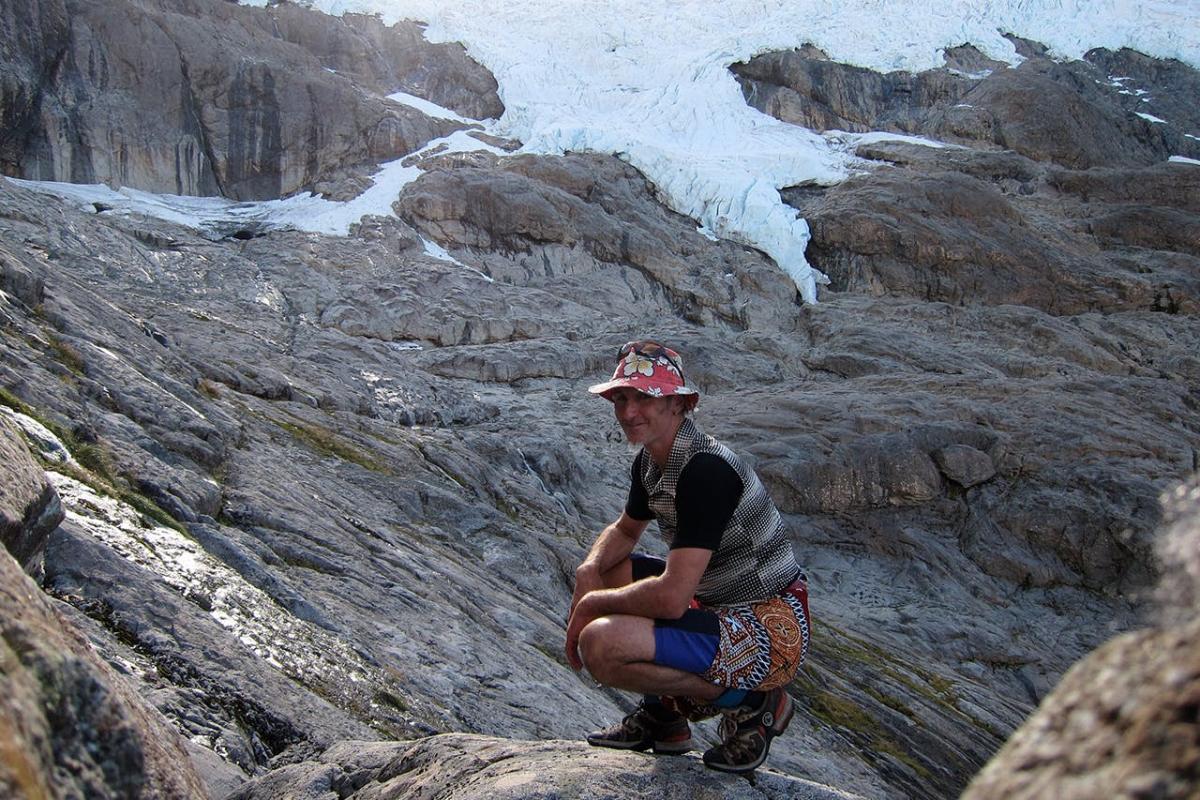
(706, 496)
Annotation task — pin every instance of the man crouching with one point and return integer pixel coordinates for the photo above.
(718, 627)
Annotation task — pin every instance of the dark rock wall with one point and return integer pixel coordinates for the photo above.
(204, 97)
(1072, 114)
(392, 58)
(34, 37)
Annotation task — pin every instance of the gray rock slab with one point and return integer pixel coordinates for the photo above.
(481, 767)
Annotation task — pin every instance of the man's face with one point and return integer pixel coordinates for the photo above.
(644, 419)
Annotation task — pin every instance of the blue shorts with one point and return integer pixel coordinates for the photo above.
(689, 643)
(752, 646)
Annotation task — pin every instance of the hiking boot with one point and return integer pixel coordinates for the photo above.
(746, 734)
(665, 732)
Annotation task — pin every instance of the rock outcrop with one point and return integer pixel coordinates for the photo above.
(246, 103)
(961, 227)
(1079, 212)
(29, 506)
(1122, 723)
(1078, 114)
(333, 489)
(70, 725)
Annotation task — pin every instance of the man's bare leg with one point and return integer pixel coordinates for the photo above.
(618, 651)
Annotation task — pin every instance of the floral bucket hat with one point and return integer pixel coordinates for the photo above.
(648, 367)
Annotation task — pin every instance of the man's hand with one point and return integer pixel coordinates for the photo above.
(587, 579)
(581, 615)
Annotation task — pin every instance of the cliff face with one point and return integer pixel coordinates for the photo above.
(243, 103)
(326, 492)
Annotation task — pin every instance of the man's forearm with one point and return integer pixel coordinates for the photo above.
(611, 547)
(653, 597)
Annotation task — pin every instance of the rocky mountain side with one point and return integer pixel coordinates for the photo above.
(322, 497)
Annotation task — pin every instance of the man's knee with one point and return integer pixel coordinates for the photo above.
(598, 648)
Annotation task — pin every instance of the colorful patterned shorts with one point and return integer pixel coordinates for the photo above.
(752, 646)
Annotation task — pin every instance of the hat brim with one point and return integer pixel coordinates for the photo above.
(651, 388)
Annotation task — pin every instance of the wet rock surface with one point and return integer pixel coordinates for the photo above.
(333, 489)
(72, 726)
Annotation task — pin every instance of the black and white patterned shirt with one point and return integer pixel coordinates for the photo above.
(708, 497)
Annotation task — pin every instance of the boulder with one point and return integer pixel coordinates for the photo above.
(479, 767)
(964, 465)
(1122, 723)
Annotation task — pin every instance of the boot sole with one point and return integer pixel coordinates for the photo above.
(673, 748)
(659, 748)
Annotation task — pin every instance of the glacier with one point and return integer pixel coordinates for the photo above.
(649, 82)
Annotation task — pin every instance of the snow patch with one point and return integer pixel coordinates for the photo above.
(975, 76)
(1151, 118)
(217, 217)
(428, 108)
(441, 254)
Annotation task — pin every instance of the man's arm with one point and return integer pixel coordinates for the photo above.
(664, 596)
(612, 546)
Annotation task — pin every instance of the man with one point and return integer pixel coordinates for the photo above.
(718, 627)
